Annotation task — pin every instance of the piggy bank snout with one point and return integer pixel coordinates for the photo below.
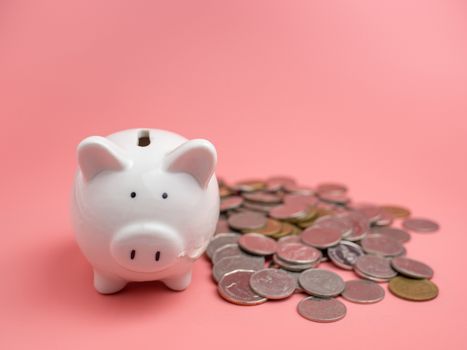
(145, 248)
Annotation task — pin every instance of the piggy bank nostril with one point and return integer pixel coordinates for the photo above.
(157, 256)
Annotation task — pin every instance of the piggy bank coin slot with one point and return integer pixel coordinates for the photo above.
(143, 138)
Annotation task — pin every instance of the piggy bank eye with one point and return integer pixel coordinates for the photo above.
(164, 195)
(133, 194)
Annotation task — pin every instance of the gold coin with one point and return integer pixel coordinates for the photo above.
(286, 230)
(272, 227)
(311, 214)
(264, 208)
(224, 191)
(396, 211)
(306, 224)
(308, 220)
(323, 210)
(413, 289)
(250, 185)
(296, 231)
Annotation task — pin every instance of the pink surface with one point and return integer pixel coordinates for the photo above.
(369, 93)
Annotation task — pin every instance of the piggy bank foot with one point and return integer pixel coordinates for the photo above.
(107, 285)
(178, 283)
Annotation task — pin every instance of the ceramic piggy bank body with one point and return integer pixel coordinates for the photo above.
(145, 204)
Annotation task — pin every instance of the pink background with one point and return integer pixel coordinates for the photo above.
(369, 93)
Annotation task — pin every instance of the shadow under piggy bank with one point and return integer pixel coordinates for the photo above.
(69, 288)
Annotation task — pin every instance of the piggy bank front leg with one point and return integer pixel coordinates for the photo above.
(105, 284)
(179, 282)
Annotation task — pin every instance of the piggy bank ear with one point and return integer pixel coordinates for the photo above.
(195, 157)
(96, 154)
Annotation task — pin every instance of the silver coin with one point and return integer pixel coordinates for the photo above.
(345, 254)
(298, 253)
(339, 222)
(369, 277)
(272, 283)
(238, 262)
(289, 211)
(298, 189)
(420, 225)
(257, 244)
(392, 232)
(321, 237)
(289, 239)
(321, 310)
(386, 219)
(222, 226)
(321, 283)
(372, 212)
(403, 253)
(331, 209)
(295, 275)
(363, 292)
(227, 250)
(299, 199)
(292, 267)
(247, 220)
(375, 268)
(277, 183)
(411, 268)
(262, 197)
(360, 226)
(334, 197)
(381, 245)
(249, 185)
(331, 187)
(230, 203)
(235, 288)
(220, 240)
(259, 207)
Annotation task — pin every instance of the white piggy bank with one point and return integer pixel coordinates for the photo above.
(145, 204)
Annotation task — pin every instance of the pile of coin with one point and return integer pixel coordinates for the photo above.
(273, 234)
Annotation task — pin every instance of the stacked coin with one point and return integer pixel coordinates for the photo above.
(273, 234)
